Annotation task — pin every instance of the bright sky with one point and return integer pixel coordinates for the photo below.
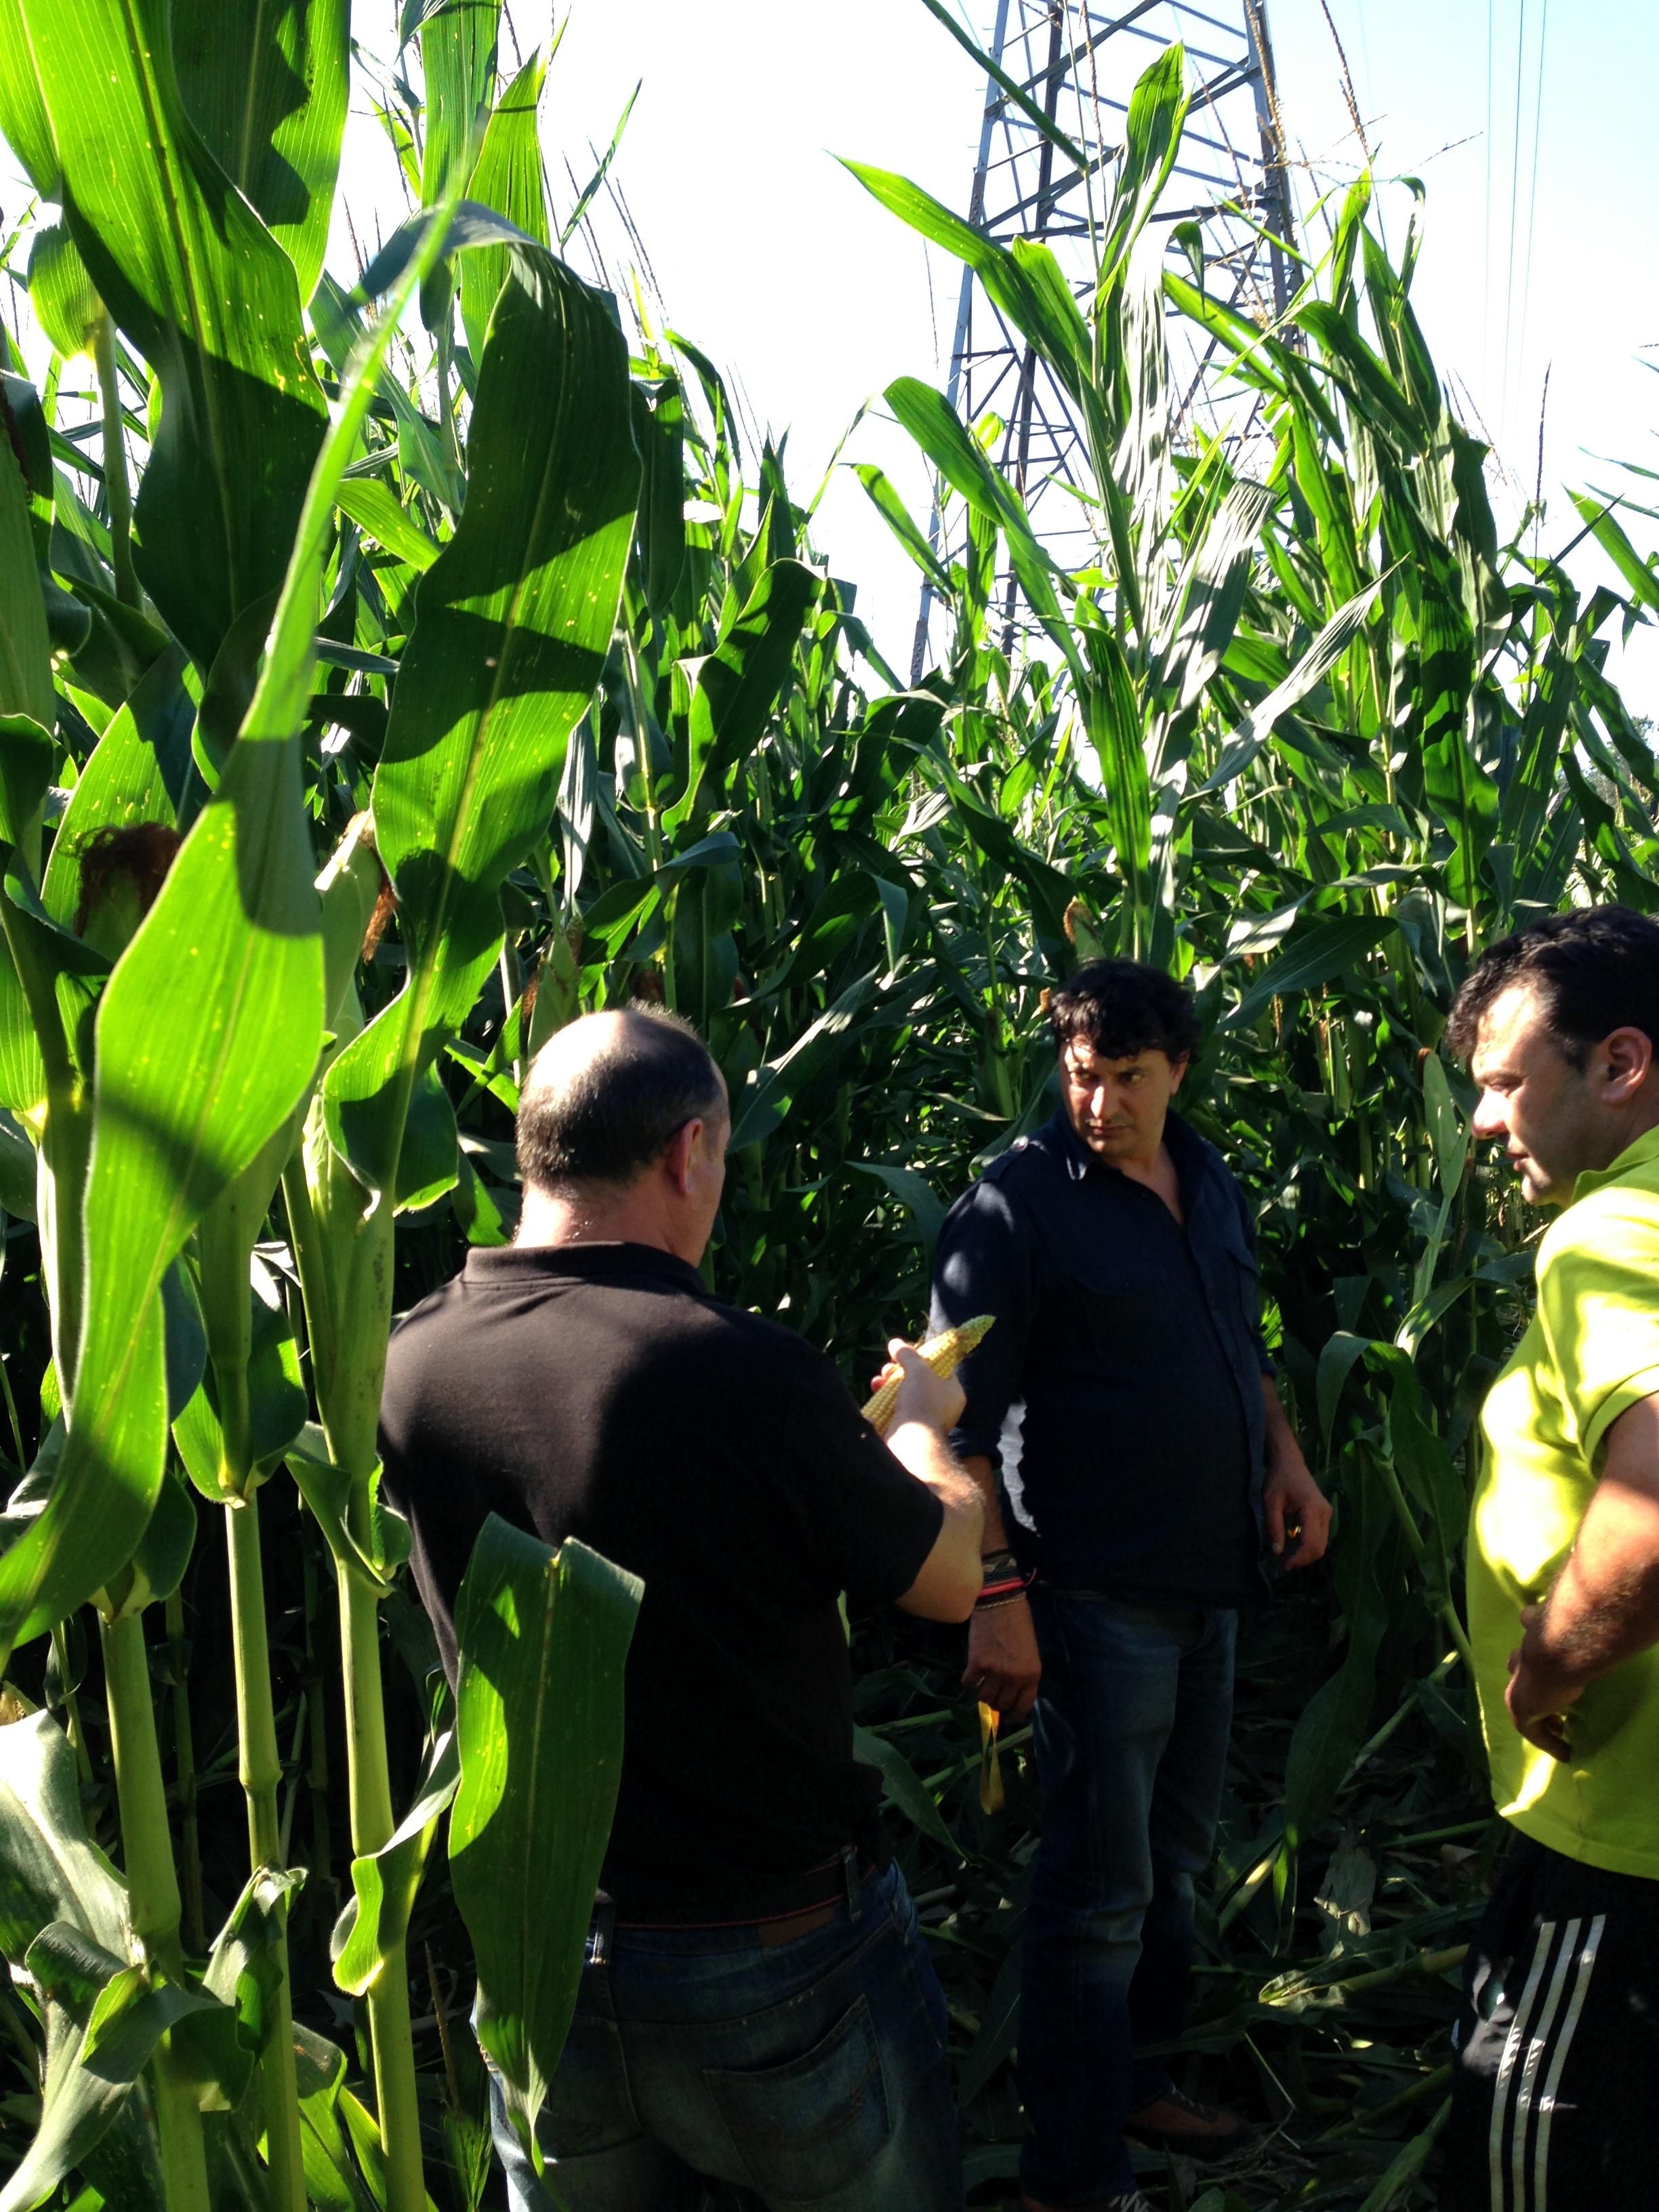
(780, 265)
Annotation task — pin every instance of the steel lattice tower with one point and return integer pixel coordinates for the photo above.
(1079, 61)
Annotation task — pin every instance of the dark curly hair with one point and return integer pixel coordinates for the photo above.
(1124, 1007)
(1597, 969)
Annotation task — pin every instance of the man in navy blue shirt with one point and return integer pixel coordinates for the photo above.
(1123, 1413)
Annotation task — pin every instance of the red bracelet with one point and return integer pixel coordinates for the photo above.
(1004, 1590)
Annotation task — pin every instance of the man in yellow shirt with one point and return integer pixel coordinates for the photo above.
(1555, 2098)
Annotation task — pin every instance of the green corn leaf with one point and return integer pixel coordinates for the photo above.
(1152, 139)
(104, 2020)
(1255, 358)
(1373, 393)
(1336, 1364)
(376, 1922)
(27, 754)
(738, 686)
(1205, 612)
(1111, 713)
(25, 649)
(225, 2041)
(1610, 536)
(938, 428)
(124, 783)
(63, 295)
(84, 1982)
(24, 122)
(1014, 91)
(267, 88)
(589, 191)
(1449, 1131)
(542, 1638)
(457, 56)
(1464, 795)
(50, 1867)
(374, 508)
(53, 1877)
(772, 1090)
(903, 523)
(1253, 732)
(914, 1192)
(514, 620)
(1427, 1472)
(998, 2026)
(202, 290)
(904, 1788)
(1335, 1721)
(1060, 337)
(508, 177)
(276, 1397)
(1320, 947)
(209, 1032)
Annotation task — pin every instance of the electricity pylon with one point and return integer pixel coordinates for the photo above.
(1078, 63)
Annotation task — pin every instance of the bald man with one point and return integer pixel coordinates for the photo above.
(759, 2007)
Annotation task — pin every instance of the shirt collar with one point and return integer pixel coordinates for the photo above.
(1058, 1137)
(588, 1263)
(1645, 1148)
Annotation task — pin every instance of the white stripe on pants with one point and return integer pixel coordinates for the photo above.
(1538, 2041)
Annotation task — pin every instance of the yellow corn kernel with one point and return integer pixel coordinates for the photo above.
(943, 1354)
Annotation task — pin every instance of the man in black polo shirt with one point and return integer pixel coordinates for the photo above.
(765, 2011)
(1126, 1402)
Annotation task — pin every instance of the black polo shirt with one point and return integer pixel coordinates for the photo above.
(1120, 1392)
(600, 1391)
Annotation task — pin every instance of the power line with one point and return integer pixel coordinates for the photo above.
(1532, 195)
(1515, 196)
(1485, 297)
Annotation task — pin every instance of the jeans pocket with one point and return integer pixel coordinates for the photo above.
(808, 2128)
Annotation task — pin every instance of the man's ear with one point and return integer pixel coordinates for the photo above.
(1628, 1054)
(1178, 1072)
(679, 1152)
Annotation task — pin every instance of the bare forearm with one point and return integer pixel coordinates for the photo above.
(1279, 1443)
(949, 1580)
(1604, 1609)
(984, 1478)
(925, 1452)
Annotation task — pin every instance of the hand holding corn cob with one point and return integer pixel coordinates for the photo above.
(943, 1354)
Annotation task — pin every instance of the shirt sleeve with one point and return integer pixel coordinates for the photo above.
(865, 1517)
(1598, 1299)
(986, 1264)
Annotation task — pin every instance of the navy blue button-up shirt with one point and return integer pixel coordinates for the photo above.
(1120, 1393)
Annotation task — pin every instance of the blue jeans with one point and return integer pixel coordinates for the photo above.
(812, 2073)
(1131, 1732)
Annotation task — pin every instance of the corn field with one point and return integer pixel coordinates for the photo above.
(395, 662)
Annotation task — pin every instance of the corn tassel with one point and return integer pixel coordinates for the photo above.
(943, 1354)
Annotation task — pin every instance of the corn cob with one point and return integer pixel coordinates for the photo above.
(943, 1354)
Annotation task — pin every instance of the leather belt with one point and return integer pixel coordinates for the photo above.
(793, 1908)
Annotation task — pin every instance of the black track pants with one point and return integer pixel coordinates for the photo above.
(1555, 2092)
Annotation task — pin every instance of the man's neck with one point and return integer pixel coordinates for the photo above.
(1641, 1121)
(584, 1217)
(1159, 1175)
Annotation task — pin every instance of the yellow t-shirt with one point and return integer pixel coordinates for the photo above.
(1592, 1350)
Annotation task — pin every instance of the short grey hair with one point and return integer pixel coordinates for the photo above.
(606, 1117)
